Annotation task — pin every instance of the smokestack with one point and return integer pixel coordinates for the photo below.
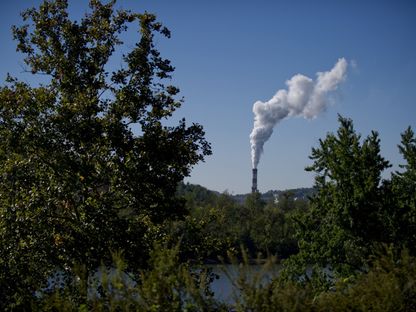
(304, 97)
(254, 182)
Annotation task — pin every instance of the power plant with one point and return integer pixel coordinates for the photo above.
(254, 181)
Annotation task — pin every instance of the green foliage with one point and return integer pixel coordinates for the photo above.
(404, 194)
(348, 214)
(167, 285)
(275, 228)
(353, 210)
(389, 286)
(198, 240)
(196, 195)
(218, 224)
(174, 286)
(75, 180)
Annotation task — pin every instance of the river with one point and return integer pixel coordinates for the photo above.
(225, 287)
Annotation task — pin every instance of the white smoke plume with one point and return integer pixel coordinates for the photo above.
(304, 97)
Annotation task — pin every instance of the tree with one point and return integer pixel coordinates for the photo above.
(75, 181)
(404, 193)
(348, 212)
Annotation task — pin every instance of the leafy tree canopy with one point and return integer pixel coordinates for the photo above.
(404, 193)
(75, 181)
(349, 212)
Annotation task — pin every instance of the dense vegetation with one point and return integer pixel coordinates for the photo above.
(354, 211)
(76, 182)
(218, 224)
(79, 190)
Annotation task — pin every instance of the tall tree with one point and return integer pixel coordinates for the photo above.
(347, 214)
(404, 193)
(75, 181)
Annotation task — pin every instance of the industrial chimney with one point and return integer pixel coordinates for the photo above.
(254, 181)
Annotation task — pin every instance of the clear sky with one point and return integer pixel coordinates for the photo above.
(229, 54)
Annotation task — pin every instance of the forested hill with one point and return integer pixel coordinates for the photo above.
(274, 195)
(199, 194)
(220, 222)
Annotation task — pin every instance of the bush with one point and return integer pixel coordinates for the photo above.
(167, 285)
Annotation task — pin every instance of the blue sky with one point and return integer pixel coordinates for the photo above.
(229, 54)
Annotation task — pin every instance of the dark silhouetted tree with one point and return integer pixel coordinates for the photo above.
(75, 181)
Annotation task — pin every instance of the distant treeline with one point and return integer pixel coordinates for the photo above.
(261, 223)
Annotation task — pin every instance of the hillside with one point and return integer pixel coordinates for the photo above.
(199, 194)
